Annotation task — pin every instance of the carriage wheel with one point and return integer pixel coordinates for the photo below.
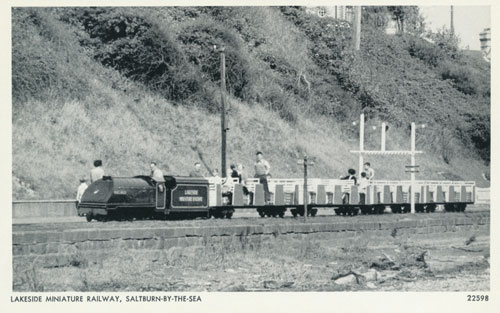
(229, 214)
(406, 208)
(430, 208)
(88, 217)
(449, 207)
(282, 213)
(395, 209)
(314, 212)
(101, 218)
(294, 212)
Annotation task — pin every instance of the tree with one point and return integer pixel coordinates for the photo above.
(408, 19)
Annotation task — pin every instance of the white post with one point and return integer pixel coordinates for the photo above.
(382, 144)
(361, 141)
(412, 178)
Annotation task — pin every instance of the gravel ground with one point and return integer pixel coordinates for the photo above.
(286, 263)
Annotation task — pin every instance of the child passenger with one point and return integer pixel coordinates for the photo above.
(363, 184)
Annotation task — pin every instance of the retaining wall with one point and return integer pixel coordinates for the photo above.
(43, 208)
(57, 248)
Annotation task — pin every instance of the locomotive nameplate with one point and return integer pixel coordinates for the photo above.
(190, 196)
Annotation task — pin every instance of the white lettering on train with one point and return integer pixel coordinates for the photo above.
(191, 199)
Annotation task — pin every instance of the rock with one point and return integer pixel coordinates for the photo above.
(270, 284)
(371, 275)
(383, 264)
(346, 280)
(287, 284)
(239, 287)
(371, 285)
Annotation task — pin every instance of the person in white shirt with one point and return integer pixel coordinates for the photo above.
(157, 176)
(97, 172)
(370, 172)
(262, 168)
(363, 185)
(81, 189)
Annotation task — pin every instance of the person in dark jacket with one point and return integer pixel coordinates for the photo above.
(351, 176)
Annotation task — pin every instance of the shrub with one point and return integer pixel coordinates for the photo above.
(140, 49)
(198, 39)
(45, 58)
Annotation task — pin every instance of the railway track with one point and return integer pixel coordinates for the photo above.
(244, 218)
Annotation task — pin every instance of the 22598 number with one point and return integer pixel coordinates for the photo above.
(477, 298)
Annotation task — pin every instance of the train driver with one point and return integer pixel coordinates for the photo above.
(196, 172)
(97, 172)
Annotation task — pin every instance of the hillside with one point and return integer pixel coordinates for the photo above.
(133, 85)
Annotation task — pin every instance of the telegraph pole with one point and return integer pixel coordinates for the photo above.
(306, 163)
(305, 188)
(452, 27)
(413, 167)
(357, 27)
(361, 141)
(223, 117)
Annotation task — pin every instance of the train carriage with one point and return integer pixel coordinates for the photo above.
(140, 196)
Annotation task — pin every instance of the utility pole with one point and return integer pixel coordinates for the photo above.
(306, 163)
(452, 27)
(305, 188)
(357, 27)
(361, 141)
(413, 166)
(223, 117)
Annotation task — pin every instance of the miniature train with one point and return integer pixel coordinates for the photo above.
(141, 196)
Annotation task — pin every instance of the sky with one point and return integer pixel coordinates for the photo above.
(469, 21)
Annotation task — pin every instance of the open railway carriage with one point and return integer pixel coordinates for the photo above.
(140, 196)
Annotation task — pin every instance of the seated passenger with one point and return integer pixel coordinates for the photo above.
(243, 181)
(196, 172)
(157, 176)
(351, 176)
(370, 172)
(363, 185)
(234, 172)
(97, 172)
(81, 189)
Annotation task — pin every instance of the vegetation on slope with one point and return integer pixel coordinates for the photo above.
(129, 85)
